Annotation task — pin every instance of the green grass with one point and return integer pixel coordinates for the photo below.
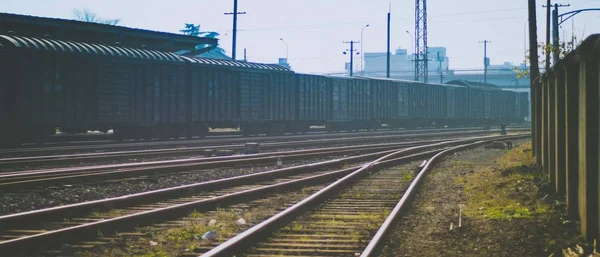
(504, 192)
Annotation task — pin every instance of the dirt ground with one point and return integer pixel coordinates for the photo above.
(484, 202)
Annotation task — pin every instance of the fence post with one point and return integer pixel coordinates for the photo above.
(551, 85)
(594, 76)
(559, 135)
(572, 134)
(588, 140)
(545, 104)
(539, 92)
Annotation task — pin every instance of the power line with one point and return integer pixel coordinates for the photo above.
(383, 20)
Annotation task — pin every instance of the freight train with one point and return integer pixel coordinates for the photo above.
(47, 84)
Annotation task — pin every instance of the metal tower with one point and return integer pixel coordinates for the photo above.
(420, 51)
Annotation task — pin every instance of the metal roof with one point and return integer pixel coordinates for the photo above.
(49, 44)
(221, 62)
(97, 33)
(54, 45)
(468, 83)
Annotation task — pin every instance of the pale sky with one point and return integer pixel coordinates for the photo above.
(316, 29)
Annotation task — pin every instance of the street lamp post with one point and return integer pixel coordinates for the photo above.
(286, 48)
(525, 42)
(412, 45)
(361, 50)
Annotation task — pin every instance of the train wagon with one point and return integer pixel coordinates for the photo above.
(417, 106)
(392, 103)
(78, 87)
(523, 106)
(351, 107)
(258, 98)
(457, 111)
(384, 101)
(509, 110)
(314, 101)
(436, 107)
(484, 100)
(48, 84)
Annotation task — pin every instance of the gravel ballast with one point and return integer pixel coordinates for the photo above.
(69, 194)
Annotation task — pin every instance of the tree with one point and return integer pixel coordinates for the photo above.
(194, 30)
(563, 49)
(87, 16)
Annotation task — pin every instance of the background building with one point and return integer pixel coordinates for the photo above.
(402, 62)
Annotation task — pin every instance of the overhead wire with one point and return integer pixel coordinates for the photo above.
(336, 25)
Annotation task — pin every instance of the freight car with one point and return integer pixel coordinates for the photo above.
(493, 105)
(47, 83)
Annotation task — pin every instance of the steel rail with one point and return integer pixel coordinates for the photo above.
(15, 220)
(205, 143)
(151, 152)
(29, 179)
(242, 240)
(213, 184)
(20, 180)
(376, 243)
(90, 229)
(75, 233)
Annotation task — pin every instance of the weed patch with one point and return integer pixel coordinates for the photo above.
(509, 191)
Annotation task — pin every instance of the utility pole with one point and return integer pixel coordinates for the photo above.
(235, 14)
(534, 73)
(245, 59)
(440, 60)
(547, 35)
(351, 54)
(486, 61)
(555, 43)
(389, 18)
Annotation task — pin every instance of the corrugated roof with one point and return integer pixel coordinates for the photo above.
(252, 65)
(49, 44)
(468, 83)
(97, 33)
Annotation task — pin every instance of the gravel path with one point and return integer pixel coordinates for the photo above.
(425, 229)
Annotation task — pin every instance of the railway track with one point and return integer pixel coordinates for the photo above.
(202, 150)
(49, 228)
(23, 180)
(45, 228)
(349, 217)
(58, 150)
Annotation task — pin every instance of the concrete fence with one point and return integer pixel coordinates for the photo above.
(570, 134)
